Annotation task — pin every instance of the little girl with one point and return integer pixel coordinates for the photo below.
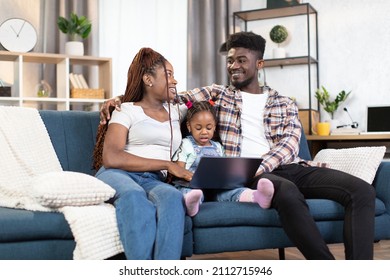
(201, 123)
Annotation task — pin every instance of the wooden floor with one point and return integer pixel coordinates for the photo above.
(381, 252)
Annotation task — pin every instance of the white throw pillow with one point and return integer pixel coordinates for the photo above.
(361, 162)
(66, 188)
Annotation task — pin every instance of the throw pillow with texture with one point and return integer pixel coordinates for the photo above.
(361, 162)
(66, 188)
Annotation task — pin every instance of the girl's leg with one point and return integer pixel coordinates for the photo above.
(135, 214)
(262, 195)
(229, 195)
(192, 199)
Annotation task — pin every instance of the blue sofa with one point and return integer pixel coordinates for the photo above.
(218, 227)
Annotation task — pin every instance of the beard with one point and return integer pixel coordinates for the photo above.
(242, 84)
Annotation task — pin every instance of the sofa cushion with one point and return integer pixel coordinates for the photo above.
(234, 213)
(250, 214)
(23, 225)
(66, 188)
(73, 134)
(304, 152)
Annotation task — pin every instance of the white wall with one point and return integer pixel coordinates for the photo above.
(128, 25)
(354, 47)
(354, 41)
(29, 10)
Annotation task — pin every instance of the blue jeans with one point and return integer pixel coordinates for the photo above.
(150, 214)
(225, 195)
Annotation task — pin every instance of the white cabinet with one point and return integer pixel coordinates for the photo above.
(22, 71)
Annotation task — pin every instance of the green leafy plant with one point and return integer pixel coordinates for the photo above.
(329, 106)
(278, 34)
(75, 26)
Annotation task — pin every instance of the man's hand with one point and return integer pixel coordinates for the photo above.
(258, 173)
(105, 109)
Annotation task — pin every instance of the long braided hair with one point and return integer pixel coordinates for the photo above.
(145, 62)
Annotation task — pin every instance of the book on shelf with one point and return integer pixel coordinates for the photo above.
(82, 81)
(73, 81)
(345, 131)
(78, 81)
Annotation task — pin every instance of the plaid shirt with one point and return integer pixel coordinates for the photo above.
(281, 124)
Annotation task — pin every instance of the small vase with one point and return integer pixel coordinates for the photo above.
(43, 89)
(329, 117)
(279, 53)
(74, 48)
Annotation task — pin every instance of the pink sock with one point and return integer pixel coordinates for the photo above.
(192, 201)
(264, 193)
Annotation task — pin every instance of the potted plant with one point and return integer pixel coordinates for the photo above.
(74, 27)
(329, 106)
(278, 35)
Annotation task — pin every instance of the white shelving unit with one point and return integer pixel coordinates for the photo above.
(19, 65)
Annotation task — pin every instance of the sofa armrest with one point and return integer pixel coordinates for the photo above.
(382, 183)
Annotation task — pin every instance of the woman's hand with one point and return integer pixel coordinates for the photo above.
(179, 171)
(105, 109)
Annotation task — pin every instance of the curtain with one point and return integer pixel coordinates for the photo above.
(209, 24)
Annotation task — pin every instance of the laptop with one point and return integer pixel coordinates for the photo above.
(378, 119)
(226, 173)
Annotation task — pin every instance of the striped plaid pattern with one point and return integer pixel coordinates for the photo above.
(281, 124)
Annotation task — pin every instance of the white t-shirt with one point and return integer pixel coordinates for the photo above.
(148, 137)
(254, 143)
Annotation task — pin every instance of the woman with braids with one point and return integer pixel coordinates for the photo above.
(201, 124)
(133, 154)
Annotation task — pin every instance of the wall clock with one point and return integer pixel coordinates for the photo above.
(18, 35)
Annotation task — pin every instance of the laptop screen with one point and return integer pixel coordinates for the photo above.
(378, 119)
